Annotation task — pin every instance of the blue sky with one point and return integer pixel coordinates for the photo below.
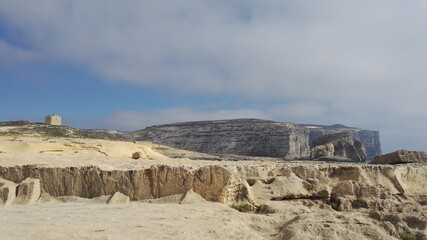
(130, 64)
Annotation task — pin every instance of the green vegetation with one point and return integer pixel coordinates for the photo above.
(406, 235)
(335, 204)
(242, 207)
(359, 203)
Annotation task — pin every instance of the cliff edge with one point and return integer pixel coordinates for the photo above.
(252, 137)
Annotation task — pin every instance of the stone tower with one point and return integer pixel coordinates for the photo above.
(52, 119)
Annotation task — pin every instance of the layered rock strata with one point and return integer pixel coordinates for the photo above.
(26, 192)
(401, 156)
(154, 182)
(338, 145)
(227, 183)
(252, 137)
(383, 190)
(7, 192)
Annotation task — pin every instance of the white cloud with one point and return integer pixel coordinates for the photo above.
(12, 56)
(131, 120)
(273, 49)
(357, 62)
(297, 111)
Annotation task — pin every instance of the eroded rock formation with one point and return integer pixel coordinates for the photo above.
(252, 137)
(338, 145)
(154, 182)
(226, 183)
(118, 198)
(7, 192)
(380, 189)
(401, 156)
(26, 192)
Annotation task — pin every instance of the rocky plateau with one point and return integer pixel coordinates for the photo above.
(254, 137)
(62, 173)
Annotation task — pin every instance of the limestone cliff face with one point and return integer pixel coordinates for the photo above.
(390, 193)
(242, 137)
(401, 156)
(338, 144)
(324, 181)
(251, 137)
(369, 139)
(230, 183)
(371, 142)
(154, 182)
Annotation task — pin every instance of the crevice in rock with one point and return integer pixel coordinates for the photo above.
(293, 197)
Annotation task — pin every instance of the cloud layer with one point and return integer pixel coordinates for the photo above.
(131, 120)
(355, 62)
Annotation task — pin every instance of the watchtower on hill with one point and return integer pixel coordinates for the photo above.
(52, 119)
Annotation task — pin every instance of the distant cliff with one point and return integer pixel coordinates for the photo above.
(252, 137)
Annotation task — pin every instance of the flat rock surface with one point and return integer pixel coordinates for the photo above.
(74, 152)
(112, 155)
(130, 221)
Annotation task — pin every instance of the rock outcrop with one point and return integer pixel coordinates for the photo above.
(150, 183)
(26, 192)
(252, 137)
(118, 198)
(227, 183)
(138, 155)
(7, 192)
(401, 156)
(377, 189)
(338, 145)
(328, 225)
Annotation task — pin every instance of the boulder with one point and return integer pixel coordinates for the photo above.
(401, 156)
(338, 144)
(191, 197)
(138, 155)
(176, 198)
(28, 191)
(7, 192)
(118, 198)
(326, 150)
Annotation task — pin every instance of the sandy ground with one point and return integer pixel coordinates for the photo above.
(127, 221)
(75, 152)
(136, 220)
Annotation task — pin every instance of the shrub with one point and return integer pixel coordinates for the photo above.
(406, 235)
(359, 203)
(335, 204)
(242, 207)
